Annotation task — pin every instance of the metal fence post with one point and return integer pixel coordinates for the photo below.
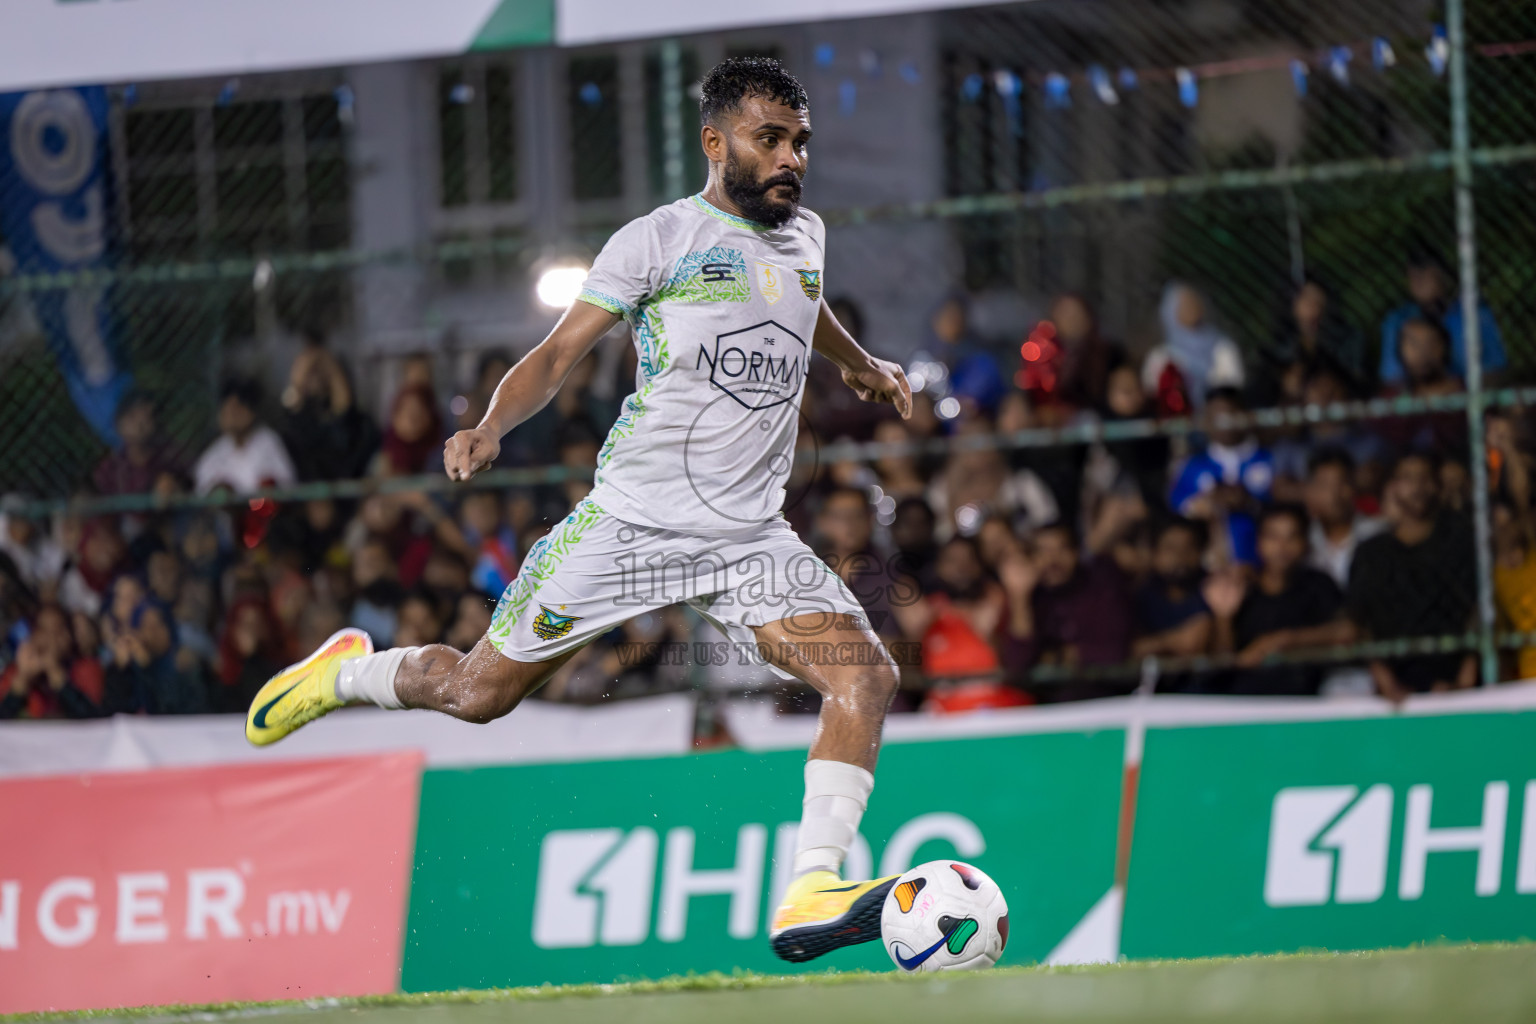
(1466, 253)
(672, 118)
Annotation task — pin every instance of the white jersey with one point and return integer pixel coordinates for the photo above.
(723, 311)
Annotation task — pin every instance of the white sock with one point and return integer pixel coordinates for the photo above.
(835, 797)
(371, 678)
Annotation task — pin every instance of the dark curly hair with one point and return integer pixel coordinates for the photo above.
(736, 78)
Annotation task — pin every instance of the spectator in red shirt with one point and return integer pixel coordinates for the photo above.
(415, 433)
(50, 678)
(959, 616)
(250, 653)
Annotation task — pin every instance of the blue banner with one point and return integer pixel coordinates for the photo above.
(53, 212)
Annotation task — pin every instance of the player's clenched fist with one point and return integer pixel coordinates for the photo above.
(470, 451)
(881, 381)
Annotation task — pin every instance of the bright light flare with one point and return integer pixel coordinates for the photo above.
(559, 286)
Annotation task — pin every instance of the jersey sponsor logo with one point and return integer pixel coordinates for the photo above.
(770, 282)
(810, 283)
(716, 274)
(759, 366)
(551, 625)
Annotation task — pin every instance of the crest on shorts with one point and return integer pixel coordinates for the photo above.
(810, 283)
(551, 625)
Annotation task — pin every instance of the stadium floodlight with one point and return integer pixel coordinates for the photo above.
(559, 286)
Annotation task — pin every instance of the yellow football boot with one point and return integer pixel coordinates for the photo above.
(821, 912)
(303, 692)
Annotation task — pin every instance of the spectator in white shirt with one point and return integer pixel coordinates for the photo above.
(247, 455)
(1337, 527)
(39, 559)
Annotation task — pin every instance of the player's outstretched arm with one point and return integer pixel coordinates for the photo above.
(874, 380)
(527, 388)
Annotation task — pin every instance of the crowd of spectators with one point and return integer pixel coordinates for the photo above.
(983, 566)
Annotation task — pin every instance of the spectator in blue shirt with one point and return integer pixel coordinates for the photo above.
(975, 373)
(1430, 288)
(1226, 484)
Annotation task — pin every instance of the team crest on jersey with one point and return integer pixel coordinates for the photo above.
(551, 625)
(770, 282)
(810, 283)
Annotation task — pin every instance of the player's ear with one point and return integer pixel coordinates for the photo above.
(713, 141)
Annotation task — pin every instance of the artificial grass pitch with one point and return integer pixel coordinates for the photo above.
(1433, 983)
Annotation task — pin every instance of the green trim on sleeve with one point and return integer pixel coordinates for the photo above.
(618, 307)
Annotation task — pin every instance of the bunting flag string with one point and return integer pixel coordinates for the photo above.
(1109, 86)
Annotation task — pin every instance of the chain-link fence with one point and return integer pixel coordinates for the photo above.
(1294, 165)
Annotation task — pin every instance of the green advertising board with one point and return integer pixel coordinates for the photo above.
(1351, 834)
(595, 872)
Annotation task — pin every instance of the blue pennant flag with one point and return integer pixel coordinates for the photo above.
(1382, 55)
(1189, 87)
(1103, 88)
(1058, 91)
(1438, 52)
(1010, 87)
(1338, 63)
(1299, 77)
(346, 104)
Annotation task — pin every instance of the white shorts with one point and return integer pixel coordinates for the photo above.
(592, 572)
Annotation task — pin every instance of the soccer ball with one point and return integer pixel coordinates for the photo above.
(944, 916)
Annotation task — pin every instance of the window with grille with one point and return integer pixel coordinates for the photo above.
(222, 178)
(230, 179)
(477, 133)
(597, 170)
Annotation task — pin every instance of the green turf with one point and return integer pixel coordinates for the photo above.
(1429, 984)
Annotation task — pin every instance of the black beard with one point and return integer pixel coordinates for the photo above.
(751, 195)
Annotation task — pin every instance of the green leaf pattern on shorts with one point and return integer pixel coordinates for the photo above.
(544, 558)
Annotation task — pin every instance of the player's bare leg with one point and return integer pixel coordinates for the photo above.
(856, 688)
(847, 664)
(480, 686)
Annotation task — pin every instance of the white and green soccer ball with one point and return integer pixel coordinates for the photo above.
(944, 916)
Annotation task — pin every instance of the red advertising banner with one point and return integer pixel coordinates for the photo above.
(280, 881)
